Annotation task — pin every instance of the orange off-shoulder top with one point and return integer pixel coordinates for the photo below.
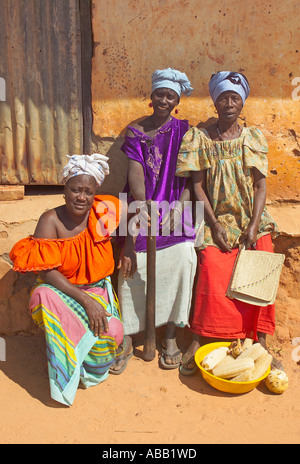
(83, 259)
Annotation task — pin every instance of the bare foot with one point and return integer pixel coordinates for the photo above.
(121, 361)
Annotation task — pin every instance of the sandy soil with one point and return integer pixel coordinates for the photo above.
(144, 405)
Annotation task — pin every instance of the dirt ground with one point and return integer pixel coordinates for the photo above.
(144, 405)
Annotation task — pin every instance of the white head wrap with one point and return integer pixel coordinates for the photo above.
(171, 79)
(226, 80)
(93, 165)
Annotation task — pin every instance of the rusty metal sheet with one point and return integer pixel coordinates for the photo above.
(40, 61)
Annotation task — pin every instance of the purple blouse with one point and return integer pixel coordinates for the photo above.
(158, 156)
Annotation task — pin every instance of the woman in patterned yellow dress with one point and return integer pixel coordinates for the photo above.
(228, 164)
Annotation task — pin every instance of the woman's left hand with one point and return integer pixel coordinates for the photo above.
(128, 259)
(249, 237)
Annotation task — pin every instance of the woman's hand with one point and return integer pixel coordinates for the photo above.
(144, 220)
(97, 316)
(220, 237)
(96, 313)
(249, 237)
(128, 261)
(200, 190)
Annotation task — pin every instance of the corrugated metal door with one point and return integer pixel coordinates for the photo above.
(40, 59)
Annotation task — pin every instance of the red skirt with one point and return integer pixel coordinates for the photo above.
(217, 316)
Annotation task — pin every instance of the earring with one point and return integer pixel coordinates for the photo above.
(150, 105)
(176, 111)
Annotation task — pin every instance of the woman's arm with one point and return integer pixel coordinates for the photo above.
(47, 228)
(249, 236)
(200, 191)
(187, 192)
(175, 215)
(96, 313)
(136, 180)
(260, 193)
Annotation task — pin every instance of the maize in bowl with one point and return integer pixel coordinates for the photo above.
(223, 385)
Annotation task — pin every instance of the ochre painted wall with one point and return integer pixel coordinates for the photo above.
(132, 38)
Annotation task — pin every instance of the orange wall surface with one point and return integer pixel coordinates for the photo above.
(133, 38)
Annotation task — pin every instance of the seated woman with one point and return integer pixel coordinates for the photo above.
(228, 164)
(152, 147)
(73, 300)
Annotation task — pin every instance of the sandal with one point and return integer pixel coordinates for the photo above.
(164, 364)
(184, 370)
(121, 358)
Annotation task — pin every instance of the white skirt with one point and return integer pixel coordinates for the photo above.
(175, 272)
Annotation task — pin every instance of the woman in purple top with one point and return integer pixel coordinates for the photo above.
(152, 146)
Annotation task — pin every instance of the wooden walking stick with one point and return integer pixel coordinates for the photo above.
(150, 336)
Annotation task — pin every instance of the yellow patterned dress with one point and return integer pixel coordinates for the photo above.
(229, 178)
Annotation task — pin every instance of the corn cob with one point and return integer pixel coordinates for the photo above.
(244, 376)
(227, 361)
(247, 343)
(233, 368)
(214, 357)
(253, 352)
(261, 365)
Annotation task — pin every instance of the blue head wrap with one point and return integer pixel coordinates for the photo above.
(171, 79)
(224, 81)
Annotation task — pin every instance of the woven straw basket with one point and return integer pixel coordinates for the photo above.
(255, 277)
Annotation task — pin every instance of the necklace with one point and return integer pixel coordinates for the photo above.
(220, 135)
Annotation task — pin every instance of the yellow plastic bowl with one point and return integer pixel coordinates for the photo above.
(226, 386)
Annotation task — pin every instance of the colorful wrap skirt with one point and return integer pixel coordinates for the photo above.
(215, 315)
(74, 354)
